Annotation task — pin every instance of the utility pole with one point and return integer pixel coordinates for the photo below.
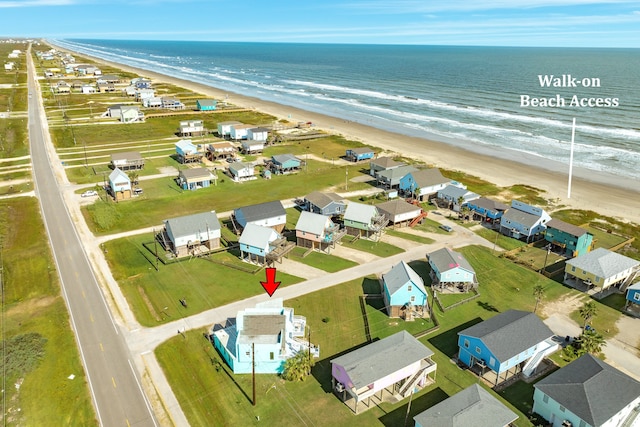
(346, 178)
(309, 351)
(155, 242)
(253, 371)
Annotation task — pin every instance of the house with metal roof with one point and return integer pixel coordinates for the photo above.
(390, 178)
(268, 214)
(262, 245)
(381, 164)
(187, 152)
(359, 154)
(119, 185)
(588, 393)
(506, 344)
(258, 134)
(265, 336)
(600, 270)
(571, 239)
(196, 178)
(242, 171)
(404, 293)
(239, 131)
(191, 128)
(400, 213)
(364, 220)
(317, 232)
(456, 196)
(395, 365)
(473, 406)
(224, 128)
(423, 183)
(523, 221)
(191, 234)
(284, 163)
(329, 204)
(450, 269)
(206, 104)
(220, 150)
(128, 160)
(251, 146)
(486, 209)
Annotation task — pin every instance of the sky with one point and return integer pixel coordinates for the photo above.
(564, 23)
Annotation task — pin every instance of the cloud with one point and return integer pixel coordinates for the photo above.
(35, 3)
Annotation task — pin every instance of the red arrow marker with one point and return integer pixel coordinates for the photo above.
(270, 285)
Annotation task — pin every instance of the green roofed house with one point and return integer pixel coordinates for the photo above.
(588, 393)
(206, 104)
(192, 234)
(473, 406)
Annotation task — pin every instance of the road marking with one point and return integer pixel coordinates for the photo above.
(127, 420)
(91, 317)
(101, 347)
(114, 382)
(83, 295)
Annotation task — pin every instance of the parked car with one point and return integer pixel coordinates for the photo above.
(89, 193)
(446, 228)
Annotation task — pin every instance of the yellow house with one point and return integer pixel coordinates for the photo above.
(600, 268)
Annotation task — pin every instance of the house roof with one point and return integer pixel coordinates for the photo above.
(207, 102)
(117, 173)
(186, 146)
(283, 158)
(195, 173)
(259, 129)
(603, 262)
(261, 328)
(396, 173)
(520, 217)
(257, 236)
(510, 333)
(386, 162)
(312, 223)
(634, 287)
(429, 177)
(446, 259)
(397, 207)
(399, 276)
(191, 224)
(128, 155)
(359, 212)
(322, 200)
(238, 166)
(382, 358)
(473, 406)
(262, 211)
(490, 205)
(571, 229)
(591, 389)
(455, 192)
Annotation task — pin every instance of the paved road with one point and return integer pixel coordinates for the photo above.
(115, 388)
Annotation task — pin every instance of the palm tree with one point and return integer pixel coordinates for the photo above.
(538, 293)
(590, 342)
(133, 177)
(297, 368)
(588, 312)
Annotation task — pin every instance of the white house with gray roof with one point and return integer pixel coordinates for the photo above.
(394, 365)
(456, 196)
(242, 171)
(588, 393)
(269, 214)
(523, 221)
(191, 234)
(601, 269)
(423, 183)
(382, 163)
(473, 406)
(398, 212)
(450, 269)
(506, 344)
(404, 293)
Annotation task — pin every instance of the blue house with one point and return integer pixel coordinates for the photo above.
(633, 299)
(487, 209)
(573, 240)
(257, 242)
(509, 343)
(206, 104)
(404, 293)
(523, 221)
(119, 185)
(451, 269)
(187, 152)
(268, 334)
(328, 204)
(359, 154)
(423, 183)
(284, 163)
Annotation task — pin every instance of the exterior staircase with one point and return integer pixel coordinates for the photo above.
(417, 219)
(548, 348)
(630, 421)
(410, 384)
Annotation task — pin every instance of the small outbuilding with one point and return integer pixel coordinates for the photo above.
(119, 185)
(206, 104)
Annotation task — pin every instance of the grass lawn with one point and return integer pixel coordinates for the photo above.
(604, 321)
(327, 262)
(154, 295)
(602, 239)
(447, 300)
(380, 249)
(430, 226)
(163, 199)
(32, 304)
(535, 258)
(413, 237)
(506, 243)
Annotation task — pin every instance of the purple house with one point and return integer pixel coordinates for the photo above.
(396, 365)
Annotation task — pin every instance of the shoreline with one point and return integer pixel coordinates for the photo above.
(607, 194)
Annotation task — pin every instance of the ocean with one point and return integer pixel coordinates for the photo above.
(487, 99)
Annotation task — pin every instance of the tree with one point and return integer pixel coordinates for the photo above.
(538, 293)
(133, 176)
(589, 342)
(297, 368)
(588, 312)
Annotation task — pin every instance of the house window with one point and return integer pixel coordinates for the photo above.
(636, 296)
(271, 355)
(409, 288)
(413, 298)
(562, 408)
(478, 350)
(573, 268)
(584, 272)
(597, 280)
(466, 341)
(492, 361)
(545, 398)
(247, 353)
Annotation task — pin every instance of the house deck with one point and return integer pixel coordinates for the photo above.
(589, 288)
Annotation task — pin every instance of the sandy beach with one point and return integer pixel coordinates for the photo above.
(606, 194)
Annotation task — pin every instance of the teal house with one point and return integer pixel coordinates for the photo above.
(573, 240)
(285, 163)
(206, 104)
(404, 293)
